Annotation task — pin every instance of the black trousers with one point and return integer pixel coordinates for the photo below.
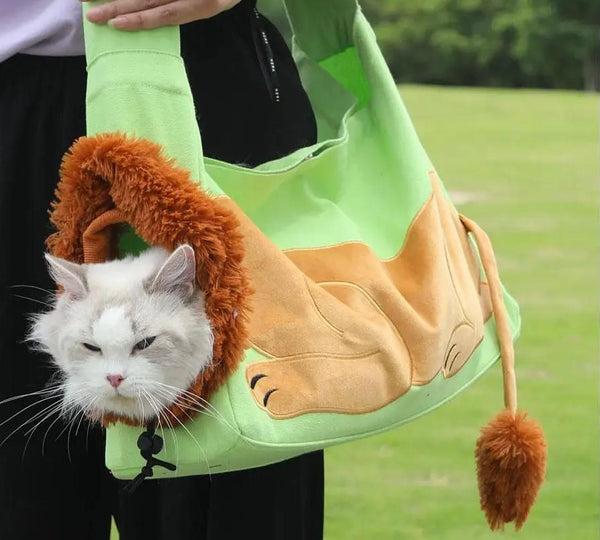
(53, 483)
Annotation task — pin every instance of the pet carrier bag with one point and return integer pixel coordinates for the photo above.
(347, 295)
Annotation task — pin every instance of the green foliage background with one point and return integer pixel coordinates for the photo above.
(514, 43)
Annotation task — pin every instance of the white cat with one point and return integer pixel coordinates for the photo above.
(129, 336)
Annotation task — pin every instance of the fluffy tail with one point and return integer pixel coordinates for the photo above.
(511, 451)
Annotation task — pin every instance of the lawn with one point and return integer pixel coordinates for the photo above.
(524, 163)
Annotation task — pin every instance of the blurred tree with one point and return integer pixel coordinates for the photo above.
(539, 43)
(585, 14)
(542, 43)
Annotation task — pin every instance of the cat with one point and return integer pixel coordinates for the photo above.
(128, 336)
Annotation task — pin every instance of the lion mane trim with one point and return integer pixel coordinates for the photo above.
(109, 172)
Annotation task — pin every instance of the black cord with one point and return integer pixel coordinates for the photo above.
(149, 444)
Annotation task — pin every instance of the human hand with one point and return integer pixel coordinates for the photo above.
(146, 14)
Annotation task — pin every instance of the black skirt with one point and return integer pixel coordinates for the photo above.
(56, 485)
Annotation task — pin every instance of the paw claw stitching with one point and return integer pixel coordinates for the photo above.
(454, 360)
(255, 379)
(448, 356)
(268, 395)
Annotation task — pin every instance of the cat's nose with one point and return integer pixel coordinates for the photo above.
(115, 380)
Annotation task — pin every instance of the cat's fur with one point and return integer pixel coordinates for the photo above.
(113, 306)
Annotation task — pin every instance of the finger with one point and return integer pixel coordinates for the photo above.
(105, 12)
(177, 12)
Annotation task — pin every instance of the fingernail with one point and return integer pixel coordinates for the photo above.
(117, 22)
(94, 14)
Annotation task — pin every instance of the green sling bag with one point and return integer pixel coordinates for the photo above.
(372, 304)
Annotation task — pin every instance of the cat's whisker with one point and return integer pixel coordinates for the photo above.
(202, 404)
(20, 411)
(218, 418)
(160, 410)
(141, 405)
(187, 407)
(67, 423)
(184, 403)
(194, 439)
(189, 418)
(85, 416)
(42, 391)
(33, 287)
(71, 423)
(213, 365)
(201, 411)
(190, 395)
(82, 414)
(79, 412)
(140, 401)
(33, 300)
(53, 405)
(87, 436)
(32, 430)
(75, 401)
(169, 398)
(45, 414)
(200, 401)
(156, 411)
(66, 409)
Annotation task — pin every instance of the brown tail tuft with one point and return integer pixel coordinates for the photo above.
(511, 465)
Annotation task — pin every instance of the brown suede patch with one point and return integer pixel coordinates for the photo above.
(343, 331)
(346, 332)
(113, 171)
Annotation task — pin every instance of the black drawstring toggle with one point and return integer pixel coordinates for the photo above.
(149, 444)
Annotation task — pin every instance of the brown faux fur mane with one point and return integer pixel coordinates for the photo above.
(162, 204)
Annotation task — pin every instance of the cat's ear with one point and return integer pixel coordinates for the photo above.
(178, 273)
(70, 276)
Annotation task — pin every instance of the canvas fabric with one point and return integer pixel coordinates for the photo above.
(370, 306)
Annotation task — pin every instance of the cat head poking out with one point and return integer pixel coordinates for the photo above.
(129, 336)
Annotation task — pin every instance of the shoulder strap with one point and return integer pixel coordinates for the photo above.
(137, 84)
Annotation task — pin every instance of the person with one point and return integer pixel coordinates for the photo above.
(54, 483)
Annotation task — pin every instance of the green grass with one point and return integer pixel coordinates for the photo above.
(530, 160)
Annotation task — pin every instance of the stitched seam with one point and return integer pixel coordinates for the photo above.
(350, 242)
(129, 51)
(381, 311)
(466, 321)
(136, 85)
(335, 329)
(387, 427)
(305, 355)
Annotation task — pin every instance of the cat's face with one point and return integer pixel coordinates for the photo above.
(130, 335)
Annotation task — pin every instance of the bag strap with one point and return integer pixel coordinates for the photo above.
(137, 84)
(322, 28)
(137, 81)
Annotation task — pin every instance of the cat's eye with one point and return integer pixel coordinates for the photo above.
(144, 343)
(92, 348)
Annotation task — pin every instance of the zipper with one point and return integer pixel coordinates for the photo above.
(265, 56)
